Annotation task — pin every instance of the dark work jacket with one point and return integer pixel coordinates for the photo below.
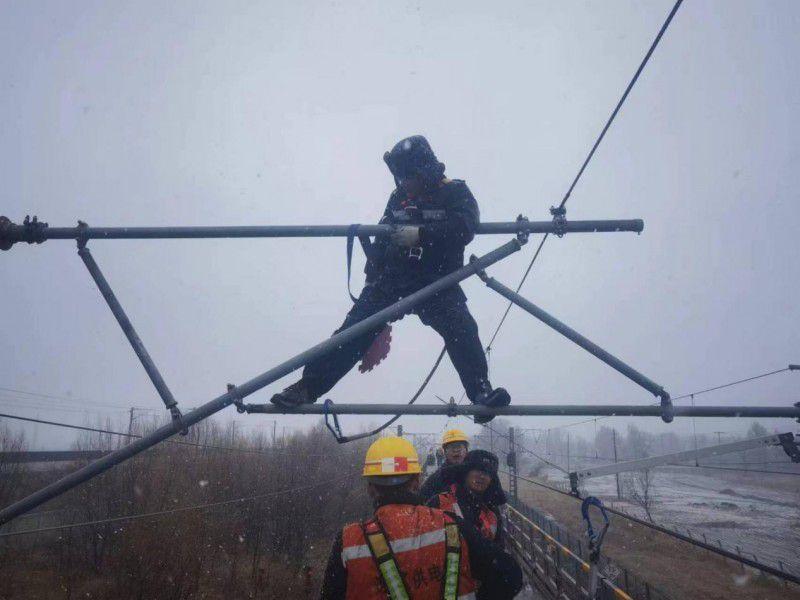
(434, 484)
(448, 217)
(497, 571)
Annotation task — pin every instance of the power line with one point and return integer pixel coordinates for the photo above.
(590, 155)
(133, 435)
(690, 394)
(732, 383)
(67, 399)
(569, 191)
(175, 510)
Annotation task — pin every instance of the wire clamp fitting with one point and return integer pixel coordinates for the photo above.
(237, 399)
(559, 219)
(177, 417)
(452, 410)
(667, 410)
(83, 237)
(522, 230)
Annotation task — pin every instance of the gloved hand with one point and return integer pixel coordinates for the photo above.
(405, 236)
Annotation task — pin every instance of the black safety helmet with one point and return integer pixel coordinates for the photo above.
(414, 156)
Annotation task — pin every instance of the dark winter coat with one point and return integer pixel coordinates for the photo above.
(434, 484)
(494, 496)
(448, 216)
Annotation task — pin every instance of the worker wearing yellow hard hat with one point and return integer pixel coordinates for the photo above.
(408, 550)
(455, 445)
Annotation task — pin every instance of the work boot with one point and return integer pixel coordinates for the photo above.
(294, 395)
(493, 398)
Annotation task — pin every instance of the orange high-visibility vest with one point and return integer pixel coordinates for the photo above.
(417, 539)
(487, 519)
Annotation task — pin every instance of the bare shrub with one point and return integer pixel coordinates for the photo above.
(639, 487)
(290, 499)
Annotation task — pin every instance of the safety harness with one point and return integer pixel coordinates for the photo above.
(390, 573)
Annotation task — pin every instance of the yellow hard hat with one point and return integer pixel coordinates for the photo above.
(454, 435)
(391, 459)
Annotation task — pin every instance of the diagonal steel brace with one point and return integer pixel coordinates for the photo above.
(651, 386)
(130, 332)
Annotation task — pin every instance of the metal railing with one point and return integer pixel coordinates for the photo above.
(555, 562)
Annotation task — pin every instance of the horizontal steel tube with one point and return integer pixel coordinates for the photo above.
(206, 410)
(15, 233)
(585, 343)
(541, 410)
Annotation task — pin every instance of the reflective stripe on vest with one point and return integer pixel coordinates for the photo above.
(393, 579)
(417, 539)
(452, 561)
(384, 559)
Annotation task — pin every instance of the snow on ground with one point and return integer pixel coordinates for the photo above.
(760, 513)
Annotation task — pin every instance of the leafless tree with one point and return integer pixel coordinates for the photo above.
(640, 489)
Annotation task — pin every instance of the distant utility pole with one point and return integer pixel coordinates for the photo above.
(274, 426)
(568, 452)
(130, 422)
(491, 440)
(719, 436)
(399, 431)
(694, 432)
(512, 463)
(619, 490)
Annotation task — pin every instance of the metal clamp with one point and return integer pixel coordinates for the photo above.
(32, 231)
(452, 411)
(83, 237)
(415, 252)
(238, 402)
(522, 231)
(667, 410)
(177, 417)
(559, 219)
(479, 272)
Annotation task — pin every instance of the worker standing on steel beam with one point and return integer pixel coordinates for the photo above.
(408, 550)
(434, 219)
(455, 445)
(475, 494)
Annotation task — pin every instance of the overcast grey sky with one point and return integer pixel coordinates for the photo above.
(143, 113)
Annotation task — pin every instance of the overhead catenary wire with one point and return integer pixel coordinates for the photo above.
(176, 510)
(690, 394)
(569, 190)
(566, 197)
(133, 435)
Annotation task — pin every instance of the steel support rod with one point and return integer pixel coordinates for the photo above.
(235, 394)
(37, 232)
(129, 331)
(582, 341)
(541, 410)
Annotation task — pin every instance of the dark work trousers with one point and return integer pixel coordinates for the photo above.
(446, 312)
